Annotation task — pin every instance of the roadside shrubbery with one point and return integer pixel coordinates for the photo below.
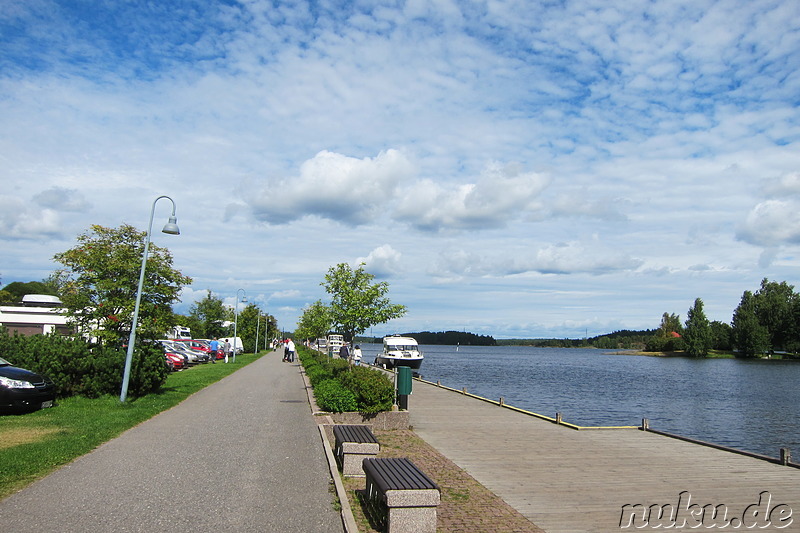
(333, 397)
(80, 368)
(340, 387)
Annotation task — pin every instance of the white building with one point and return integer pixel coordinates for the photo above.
(39, 313)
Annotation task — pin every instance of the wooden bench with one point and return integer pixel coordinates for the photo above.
(353, 444)
(400, 497)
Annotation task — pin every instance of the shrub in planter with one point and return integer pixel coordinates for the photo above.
(373, 390)
(333, 397)
(337, 367)
(316, 374)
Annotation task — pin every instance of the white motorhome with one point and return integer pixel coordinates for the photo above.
(39, 313)
(180, 333)
(236, 343)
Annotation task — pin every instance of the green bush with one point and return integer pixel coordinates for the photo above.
(316, 374)
(333, 397)
(339, 387)
(373, 389)
(658, 343)
(78, 367)
(337, 367)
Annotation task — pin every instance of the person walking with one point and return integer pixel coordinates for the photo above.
(214, 350)
(357, 355)
(291, 349)
(227, 349)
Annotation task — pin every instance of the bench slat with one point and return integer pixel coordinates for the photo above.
(397, 473)
(353, 433)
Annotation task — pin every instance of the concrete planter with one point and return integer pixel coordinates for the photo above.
(383, 420)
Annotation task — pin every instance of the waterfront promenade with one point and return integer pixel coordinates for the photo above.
(565, 480)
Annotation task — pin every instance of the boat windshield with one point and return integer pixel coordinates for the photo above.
(401, 348)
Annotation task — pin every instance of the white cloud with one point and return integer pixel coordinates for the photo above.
(334, 186)
(500, 195)
(62, 199)
(21, 220)
(382, 262)
(772, 223)
(563, 259)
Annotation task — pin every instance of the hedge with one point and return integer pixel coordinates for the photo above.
(339, 386)
(80, 368)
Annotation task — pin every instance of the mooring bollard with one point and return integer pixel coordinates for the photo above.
(645, 424)
(502, 401)
(558, 418)
(786, 456)
(464, 390)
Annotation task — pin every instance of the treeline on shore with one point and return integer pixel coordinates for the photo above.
(622, 340)
(453, 338)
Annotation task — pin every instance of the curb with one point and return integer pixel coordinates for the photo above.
(348, 520)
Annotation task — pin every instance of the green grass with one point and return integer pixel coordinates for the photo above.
(34, 444)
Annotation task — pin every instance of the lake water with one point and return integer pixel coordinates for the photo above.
(749, 405)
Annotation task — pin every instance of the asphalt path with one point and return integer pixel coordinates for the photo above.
(242, 455)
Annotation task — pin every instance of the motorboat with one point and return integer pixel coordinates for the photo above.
(399, 351)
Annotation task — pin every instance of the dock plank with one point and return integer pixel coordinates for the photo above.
(567, 481)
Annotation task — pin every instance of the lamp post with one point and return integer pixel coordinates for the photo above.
(266, 329)
(236, 320)
(258, 327)
(171, 228)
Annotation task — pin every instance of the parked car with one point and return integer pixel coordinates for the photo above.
(174, 361)
(192, 357)
(201, 346)
(23, 389)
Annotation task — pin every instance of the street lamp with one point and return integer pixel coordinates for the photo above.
(171, 228)
(266, 329)
(258, 327)
(236, 320)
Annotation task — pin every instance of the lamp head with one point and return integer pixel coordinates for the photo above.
(171, 227)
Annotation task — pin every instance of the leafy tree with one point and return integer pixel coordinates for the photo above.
(315, 322)
(20, 289)
(356, 302)
(720, 335)
(667, 337)
(697, 335)
(100, 280)
(670, 323)
(246, 326)
(774, 304)
(209, 313)
(749, 336)
(7, 298)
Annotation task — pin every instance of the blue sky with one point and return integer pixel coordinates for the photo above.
(511, 168)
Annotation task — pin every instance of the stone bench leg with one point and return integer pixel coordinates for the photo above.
(412, 511)
(353, 455)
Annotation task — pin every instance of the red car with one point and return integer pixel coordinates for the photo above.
(174, 361)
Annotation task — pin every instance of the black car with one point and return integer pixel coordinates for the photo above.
(23, 389)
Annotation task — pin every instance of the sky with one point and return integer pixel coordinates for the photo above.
(521, 169)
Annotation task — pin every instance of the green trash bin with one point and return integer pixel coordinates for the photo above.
(403, 380)
(403, 386)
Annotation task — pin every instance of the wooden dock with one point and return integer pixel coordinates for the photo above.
(566, 480)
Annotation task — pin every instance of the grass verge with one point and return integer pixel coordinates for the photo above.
(34, 444)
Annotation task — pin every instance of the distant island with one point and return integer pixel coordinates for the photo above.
(625, 339)
(452, 338)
